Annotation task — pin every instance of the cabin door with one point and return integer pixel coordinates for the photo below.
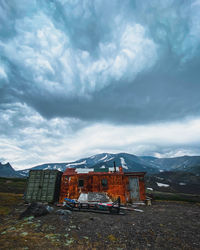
(134, 188)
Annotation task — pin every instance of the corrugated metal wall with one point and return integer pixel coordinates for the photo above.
(43, 186)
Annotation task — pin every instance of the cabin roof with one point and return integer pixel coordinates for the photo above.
(73, 171)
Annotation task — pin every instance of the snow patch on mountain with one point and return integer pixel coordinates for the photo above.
(26, 171)
(23, 174)
(162, 184)
(76, 163)
(159, 178)
(109, 159)
(123, 163)
(103, 158)
(49, 167)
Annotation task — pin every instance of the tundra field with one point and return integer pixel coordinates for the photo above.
(166, 224)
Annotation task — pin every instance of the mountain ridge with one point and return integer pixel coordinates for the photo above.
(129, 162)
(6, 170)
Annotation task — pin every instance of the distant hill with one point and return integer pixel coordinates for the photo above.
(174, 182)
(183, 163)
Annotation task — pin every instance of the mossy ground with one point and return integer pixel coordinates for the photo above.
(164, 225)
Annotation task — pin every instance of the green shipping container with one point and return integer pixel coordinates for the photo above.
(43, 186)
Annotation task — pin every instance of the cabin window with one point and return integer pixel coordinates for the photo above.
(80, 183)
(104, 182)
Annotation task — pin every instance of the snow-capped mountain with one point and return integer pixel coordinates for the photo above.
(105, 160)
(129, 162)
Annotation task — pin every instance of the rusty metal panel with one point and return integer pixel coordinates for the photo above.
(117, 185)
(134, 188)
(142, 189)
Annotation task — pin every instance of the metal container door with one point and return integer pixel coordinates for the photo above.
(134, 188)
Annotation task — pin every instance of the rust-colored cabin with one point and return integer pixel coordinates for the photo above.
(129, 186)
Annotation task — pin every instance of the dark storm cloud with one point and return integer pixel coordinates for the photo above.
(118, 61)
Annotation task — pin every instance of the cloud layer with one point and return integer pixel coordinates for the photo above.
(70, 67)
(27, 138)
(61, 57)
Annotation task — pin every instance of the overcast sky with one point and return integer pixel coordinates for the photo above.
(79, 78)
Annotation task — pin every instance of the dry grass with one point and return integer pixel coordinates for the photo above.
(8, 201)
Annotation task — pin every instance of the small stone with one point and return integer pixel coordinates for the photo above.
(73, 226)
(28, 222)
(49, 209)
(29, 218)
(63, 212)
(24, 234)
(69, 242)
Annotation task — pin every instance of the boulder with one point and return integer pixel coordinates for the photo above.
(35, 209)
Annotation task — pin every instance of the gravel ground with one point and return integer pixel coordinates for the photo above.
(164, 225)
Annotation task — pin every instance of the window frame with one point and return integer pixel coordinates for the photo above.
(104, 182)
(80, 181)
